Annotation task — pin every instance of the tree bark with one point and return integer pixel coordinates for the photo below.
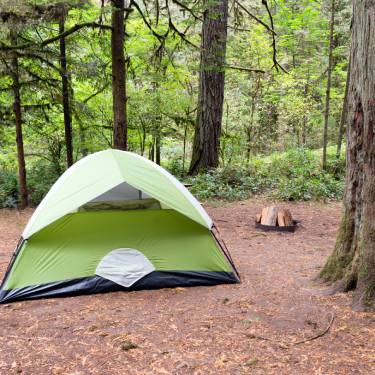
(22, 181)
(65, 93)
(352, 263)
(206, 143)
(344, 115)
(118, 76)
(329, 80)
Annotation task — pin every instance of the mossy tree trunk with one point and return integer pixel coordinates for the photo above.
(352, 263)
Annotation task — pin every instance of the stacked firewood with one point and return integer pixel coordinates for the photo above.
(275, 216)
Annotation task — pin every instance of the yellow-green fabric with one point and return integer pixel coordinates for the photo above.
(73, 246)
(102, 171)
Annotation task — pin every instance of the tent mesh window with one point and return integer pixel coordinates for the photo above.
(122, 197)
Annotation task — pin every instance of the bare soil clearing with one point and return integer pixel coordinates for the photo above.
(228, 329)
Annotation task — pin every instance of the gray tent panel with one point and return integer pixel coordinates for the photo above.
(124, 266)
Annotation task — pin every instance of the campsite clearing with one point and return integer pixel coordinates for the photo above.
(227, 329)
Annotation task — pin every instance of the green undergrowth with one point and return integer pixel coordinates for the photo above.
(290, 176)
(40, 178)
(295, 175)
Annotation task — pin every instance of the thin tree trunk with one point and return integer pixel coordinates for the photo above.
(344, 115)
(329, 82)
(184, 148)
(22, 181)
(157, 146)
(304, 123)
(249, 130)
(206, 143)
(224, 143)
(82, 134)
(151, 153)
(142, 137)
(118, 76)
(65, 93)
(352, 263)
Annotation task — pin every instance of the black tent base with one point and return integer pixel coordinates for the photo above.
(97, 284)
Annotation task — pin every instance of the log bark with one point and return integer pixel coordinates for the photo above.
(352, 263)
(65, 93)
(14, 71)
(206, 143)
(118, 76)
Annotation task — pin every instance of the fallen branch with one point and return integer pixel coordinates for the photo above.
(321, 334)
(287, 344)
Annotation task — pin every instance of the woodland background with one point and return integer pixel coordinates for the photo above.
(283, 59)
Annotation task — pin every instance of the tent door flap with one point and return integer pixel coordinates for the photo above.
(124, 266)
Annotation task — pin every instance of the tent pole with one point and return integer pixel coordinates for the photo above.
(13, 259)
(225, 250)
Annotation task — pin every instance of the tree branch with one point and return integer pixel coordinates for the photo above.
(185, 7)
(244, 69)
(174, 28)
(160, 37)
(255, 18)
(95, 93)
(274, 56)
(73, 29)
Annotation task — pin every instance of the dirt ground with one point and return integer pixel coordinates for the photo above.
(249, 328)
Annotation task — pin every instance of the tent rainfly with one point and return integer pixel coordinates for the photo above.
(116, 221)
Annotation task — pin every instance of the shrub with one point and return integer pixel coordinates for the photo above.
(8, 189)
(40, 178)
(293, 175)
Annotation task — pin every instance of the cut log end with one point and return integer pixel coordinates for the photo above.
(275, 216)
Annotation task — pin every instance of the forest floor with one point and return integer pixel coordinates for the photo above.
(249, 328)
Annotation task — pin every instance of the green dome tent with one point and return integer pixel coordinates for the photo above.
(115, 221)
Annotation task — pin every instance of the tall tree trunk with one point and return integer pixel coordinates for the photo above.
(344, 115)
(22, 182)
(329, 80)
(118, 76)
(65, 93)
(211, 86)
(352, 263)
